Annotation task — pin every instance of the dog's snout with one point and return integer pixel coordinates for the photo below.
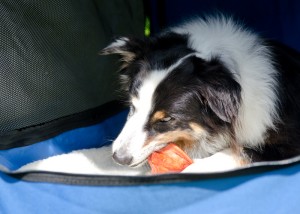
(122, 158)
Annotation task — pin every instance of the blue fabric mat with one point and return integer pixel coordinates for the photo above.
(271, 192)
(81, 138)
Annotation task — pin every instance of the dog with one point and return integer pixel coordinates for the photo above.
(220, 92)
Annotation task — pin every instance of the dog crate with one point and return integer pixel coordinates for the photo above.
(58, 96)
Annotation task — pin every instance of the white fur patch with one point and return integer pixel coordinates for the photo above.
(249, 60)
(132, 138)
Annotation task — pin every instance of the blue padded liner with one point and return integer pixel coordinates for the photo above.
(81, 138)
(270, 192)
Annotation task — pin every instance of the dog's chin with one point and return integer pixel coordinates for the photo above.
(139, 164)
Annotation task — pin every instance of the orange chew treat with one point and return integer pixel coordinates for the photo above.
(169, 159)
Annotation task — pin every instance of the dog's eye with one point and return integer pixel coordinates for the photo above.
(165, 119)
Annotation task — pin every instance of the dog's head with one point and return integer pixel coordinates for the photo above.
(175, 96)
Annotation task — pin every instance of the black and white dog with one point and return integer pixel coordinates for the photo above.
(219, 91)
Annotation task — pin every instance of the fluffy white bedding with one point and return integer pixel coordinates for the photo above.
(96, 161)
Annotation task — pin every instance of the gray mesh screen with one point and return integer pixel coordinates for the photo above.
(49, 66)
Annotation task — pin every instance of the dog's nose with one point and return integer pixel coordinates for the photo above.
(122, 158)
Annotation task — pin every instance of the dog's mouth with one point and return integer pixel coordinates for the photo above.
(139, 164)
(143, 159)
(182, 138)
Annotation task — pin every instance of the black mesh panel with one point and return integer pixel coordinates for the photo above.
(49, 62)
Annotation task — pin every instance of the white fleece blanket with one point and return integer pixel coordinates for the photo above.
(99, 161)
(96, 161)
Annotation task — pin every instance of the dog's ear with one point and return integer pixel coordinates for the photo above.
(218, 87)
(128, 48)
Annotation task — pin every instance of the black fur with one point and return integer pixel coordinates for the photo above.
(206, 92)
(197, 91)
(283, 142)
(154, 53)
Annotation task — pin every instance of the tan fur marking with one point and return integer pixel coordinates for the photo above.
(127, 58)
(181, 138)
(196, 127)
(158, 116)
(238, 153)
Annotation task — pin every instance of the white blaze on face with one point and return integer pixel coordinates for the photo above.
(132, 138)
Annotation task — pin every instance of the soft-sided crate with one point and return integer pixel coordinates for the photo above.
(57, 96)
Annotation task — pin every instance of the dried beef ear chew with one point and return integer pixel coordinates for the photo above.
(169, 159)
